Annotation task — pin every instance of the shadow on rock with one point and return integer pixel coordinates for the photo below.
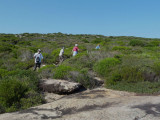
(86, 108)
(43, 113)
(58, 112)
(149, 108)
(88, 95)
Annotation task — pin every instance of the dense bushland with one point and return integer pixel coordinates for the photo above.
(125, 63)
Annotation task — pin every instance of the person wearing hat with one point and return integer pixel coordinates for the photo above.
(38, 59)
(75, 50)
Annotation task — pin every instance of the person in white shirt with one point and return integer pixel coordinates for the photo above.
(38, 59)
(61, 54)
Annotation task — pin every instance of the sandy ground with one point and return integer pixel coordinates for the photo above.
(97, 104)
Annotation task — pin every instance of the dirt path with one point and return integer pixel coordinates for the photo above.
(97, 104)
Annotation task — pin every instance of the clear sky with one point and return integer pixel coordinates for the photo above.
(139, 18)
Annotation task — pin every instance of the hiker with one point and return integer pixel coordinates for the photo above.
(75, 50)
(38, 59)
(61, 54)
(97, 47)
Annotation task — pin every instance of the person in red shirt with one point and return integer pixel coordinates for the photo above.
(75, 50)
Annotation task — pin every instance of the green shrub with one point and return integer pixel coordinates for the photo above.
(136, 51)
(24, 65)
(48, 58)
(120, 43)
(5, 47)
(153, 43)
(125, 77)
(2, 109)
(97, 40)
(119, 56)
(156, 68)
(139, 87)
(131, 74)
(115, 77)
(123, 48)
(79, 61)
(11, 91)
(82, 76)
(61, 71)
(104, 66)
(31, 99)
(3, 72)
(28, 77)
(24, 43)
(137, 43)
(85, 41)
(46, 71)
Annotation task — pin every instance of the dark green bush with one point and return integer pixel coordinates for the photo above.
(24, 43)
(104, 66)
(2, 109)
(46, 71)
(25, 65)
(5, 47)
(97, 40)
(28, 77)
(80, 61)
(3, 72)
(120, 43)
(31, 99)
(115, 77)
(82, 76)
(137, 43)
(131, 74)
(156, 68)
(85, 41)
(11, 91)
(61, 71)
(153, 43)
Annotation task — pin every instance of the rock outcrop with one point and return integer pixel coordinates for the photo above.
(59, 86)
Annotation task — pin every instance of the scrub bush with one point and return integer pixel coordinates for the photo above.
(11, 91)
(104, 66)
(46, 71)
(144, 87)
(3, 72)
(61, 72)
(97, 40)
(24, 65)
(137, 43)
(153, 43)
(85, 41)
(121, 48)
(31, 99)
(156, 68)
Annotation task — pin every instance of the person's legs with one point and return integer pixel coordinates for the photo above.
(74, 53)
(61, 58)
(35, 66)
(38, 66)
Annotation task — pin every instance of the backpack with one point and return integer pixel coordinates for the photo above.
(38, 58)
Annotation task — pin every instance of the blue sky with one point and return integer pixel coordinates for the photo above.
(139, 18)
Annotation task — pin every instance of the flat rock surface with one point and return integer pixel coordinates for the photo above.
(97, 104)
